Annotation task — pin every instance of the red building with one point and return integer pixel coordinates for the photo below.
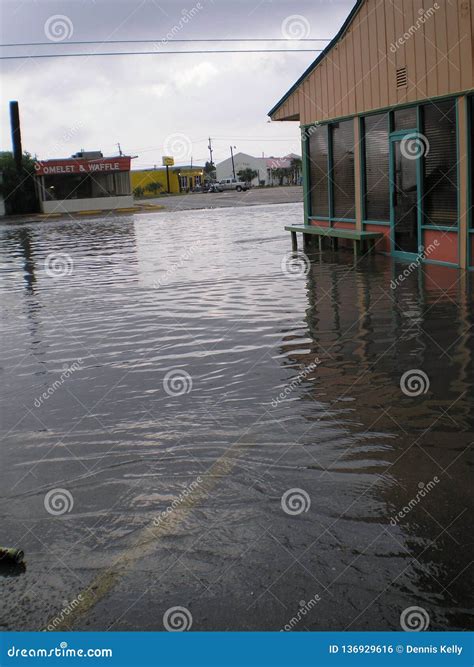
(85, 181)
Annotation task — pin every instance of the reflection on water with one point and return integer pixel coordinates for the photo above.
(294, 383)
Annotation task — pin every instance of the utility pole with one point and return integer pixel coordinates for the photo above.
(120, 150)
(210, 152)
(16, 135)
(232, 156)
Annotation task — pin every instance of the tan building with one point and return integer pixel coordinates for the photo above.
(386, 114)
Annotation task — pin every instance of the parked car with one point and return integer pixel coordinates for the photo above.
(233, 184)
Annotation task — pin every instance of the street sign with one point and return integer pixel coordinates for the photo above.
(167, 161)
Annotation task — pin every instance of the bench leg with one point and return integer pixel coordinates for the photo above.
(356, 245)
(294, 241)
(320, 243)
(334, 243)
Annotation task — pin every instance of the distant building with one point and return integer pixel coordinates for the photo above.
(387, 116)
(85, 181)
(264, 166)
(181, 179)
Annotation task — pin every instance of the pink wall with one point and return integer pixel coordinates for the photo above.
(447, 249)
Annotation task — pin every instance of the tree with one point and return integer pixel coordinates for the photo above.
(154, 187)
(18, 188)
(210, 170)
(247, 175)
(280, 173)
(296, 167)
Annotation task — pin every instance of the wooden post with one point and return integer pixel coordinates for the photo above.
(294, 241)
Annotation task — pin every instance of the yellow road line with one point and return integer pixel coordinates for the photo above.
(147, 538)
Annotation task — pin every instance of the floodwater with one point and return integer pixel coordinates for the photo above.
(283, 385)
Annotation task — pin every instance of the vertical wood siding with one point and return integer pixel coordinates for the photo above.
(359, 72)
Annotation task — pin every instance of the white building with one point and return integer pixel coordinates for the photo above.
(243, 161)
(265, 166)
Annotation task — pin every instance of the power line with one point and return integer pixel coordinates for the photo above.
(159, 40)
(154, 53)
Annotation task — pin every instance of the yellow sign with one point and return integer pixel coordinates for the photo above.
(167, 161)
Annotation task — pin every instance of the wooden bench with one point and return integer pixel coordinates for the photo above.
(355, 235)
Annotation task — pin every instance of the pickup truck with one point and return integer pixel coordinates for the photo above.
(231, 184)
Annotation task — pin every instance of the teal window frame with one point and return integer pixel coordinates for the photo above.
(331, 218)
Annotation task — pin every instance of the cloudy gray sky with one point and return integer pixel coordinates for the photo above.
(157, 104)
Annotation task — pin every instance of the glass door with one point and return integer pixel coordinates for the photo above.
(404, 195)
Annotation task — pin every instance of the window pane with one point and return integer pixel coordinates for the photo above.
(377, 180)
(318, 174)
(405, 119)
(343, 182)
(440, 164)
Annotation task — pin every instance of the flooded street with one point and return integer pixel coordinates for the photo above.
(227, 436)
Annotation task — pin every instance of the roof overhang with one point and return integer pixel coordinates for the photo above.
(307, 72)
